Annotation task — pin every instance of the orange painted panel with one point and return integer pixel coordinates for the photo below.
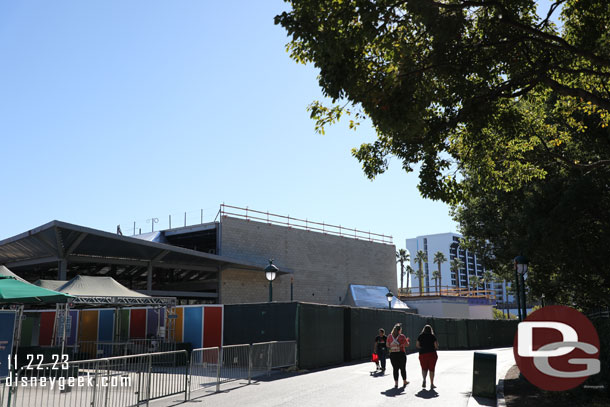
(88, 326)
(87, 332)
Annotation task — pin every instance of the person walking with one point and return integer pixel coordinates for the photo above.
(397, 342)
(427, 345)
(380, 348)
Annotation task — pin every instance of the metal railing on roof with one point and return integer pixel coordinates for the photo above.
(305, 224)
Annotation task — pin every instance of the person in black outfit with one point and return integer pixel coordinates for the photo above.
(427, 345)
(380, 348)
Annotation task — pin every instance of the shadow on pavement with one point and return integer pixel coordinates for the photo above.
(426, 394)
(393, 392)
(378, 373)
(483, 401)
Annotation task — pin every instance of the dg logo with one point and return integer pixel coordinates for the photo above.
(557, 348)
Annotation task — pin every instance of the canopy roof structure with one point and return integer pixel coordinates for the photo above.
(5, 272)
(371, 296)
(50, 284)
(88, 290)
(13, 291)
(62, 251)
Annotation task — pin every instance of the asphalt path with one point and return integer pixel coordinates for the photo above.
(355, 385)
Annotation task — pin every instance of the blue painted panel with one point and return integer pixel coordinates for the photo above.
(7, 322)
(193, 326)
(106, 325)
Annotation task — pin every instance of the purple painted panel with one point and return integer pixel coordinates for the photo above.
(71, 336)
(152, 316)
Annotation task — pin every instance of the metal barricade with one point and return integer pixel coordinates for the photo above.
(215, 366)
(204, 369)
(93, 349)
(283, 354)
(260, 359)
(123, 381)
(235, 363)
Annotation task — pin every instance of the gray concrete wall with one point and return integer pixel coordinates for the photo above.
(322, 265)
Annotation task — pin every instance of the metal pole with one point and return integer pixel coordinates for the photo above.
(270, 291)
(187, 381)
(170, 221)
(250, 364)
(149, 379)
(269, 356)
(108, 383)
(523, 299)
(220, 356)
(517, 293)
(202, 216)
(291, 287)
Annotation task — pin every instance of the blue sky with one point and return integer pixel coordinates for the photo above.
(113, 112)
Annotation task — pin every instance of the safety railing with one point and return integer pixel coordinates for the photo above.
(123, 381)
(289, 221)
(448, 291)
(211, 367)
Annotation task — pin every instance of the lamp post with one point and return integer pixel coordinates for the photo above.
(521, 263)
(389, 296)
(542, 299)
(270, 274)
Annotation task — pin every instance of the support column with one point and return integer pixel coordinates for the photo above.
(149, 276)
(62, 270)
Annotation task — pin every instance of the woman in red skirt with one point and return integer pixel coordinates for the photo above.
(427, 345)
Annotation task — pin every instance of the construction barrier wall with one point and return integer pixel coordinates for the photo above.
(330, 335)
(252, 323)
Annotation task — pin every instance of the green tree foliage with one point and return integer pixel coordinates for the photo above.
(505, 113)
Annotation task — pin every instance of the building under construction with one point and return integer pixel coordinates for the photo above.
(215, 262)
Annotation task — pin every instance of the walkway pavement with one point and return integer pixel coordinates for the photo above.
(357, 385)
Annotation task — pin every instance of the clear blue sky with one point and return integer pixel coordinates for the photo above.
(118, 111)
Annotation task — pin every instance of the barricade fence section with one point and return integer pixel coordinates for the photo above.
(123, 381)
(94, 349)
(211, 367)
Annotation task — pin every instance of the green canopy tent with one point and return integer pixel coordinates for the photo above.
(14, 291)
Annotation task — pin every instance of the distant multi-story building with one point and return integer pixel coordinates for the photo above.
(449, 245)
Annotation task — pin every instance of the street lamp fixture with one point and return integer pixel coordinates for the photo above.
(270, 273)
(389, 296)
(521, 264)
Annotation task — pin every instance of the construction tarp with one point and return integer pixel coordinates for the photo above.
(13, 291)
(88, 286)
(371, 296)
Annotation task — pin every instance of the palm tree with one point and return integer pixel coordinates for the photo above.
(487, 278)
(436, 276)
(409, 272)
(402, 257)
(473, 282)
(420, 275)
(455, 265)
(421, 258)
(439, 258)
